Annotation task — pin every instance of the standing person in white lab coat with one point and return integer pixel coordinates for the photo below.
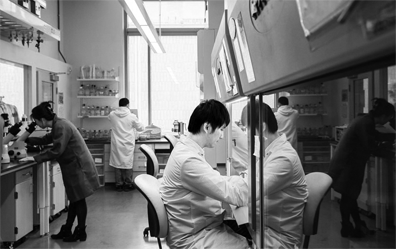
(193, 192)
(123, 126)
(284, 187)
(287, 120)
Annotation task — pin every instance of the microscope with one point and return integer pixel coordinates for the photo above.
(17, 149)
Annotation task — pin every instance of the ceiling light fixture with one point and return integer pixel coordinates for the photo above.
(136, 11)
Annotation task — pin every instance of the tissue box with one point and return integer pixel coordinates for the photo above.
(154, 132)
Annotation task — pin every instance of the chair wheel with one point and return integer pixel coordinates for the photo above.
(146, 232)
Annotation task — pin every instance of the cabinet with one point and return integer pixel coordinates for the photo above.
(98, 154)
(57, 190)
(162, 151)
(16, 205)
(97, 98)
(314, 154)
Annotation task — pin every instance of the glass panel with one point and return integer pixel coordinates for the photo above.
(138, 77)
(176, 14)
(12, 86)
(174, 90)
(48, 91)
(392, 85)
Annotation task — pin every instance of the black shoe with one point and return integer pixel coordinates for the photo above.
(64, 232)
(119, 188)
(129, 187)
(79, 234)
(364, 229)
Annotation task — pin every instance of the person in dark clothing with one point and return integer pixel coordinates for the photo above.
(348, 163)
(79, 173)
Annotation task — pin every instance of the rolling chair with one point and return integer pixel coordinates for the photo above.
(318, 184)
(153, 167)
(158, 219)
(172, 140)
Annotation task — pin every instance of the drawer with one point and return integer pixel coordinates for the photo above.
(95, 146)
(139, 166)
(164, 146)
(139, 157)
(100, 169)
(23, 175)
(98, 159)
(137, 146)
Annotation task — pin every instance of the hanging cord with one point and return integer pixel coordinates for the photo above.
(59, 29)
(160, 19)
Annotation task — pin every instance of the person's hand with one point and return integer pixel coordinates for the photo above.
(14, 130)
(27, 159)
(31, 127)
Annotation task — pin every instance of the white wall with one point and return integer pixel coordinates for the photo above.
(93, 34)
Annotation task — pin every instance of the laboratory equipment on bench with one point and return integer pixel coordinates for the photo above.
(5, 158)
(17, 150)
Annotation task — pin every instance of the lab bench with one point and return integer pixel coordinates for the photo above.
(30, 194)
(101, 148)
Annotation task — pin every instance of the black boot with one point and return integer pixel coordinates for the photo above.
(346, 229)
(363, 229)
(64, 232)
(79, 234)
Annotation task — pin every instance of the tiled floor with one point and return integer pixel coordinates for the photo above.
(117, 220)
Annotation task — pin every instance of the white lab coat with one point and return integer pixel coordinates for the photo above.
(123, 125)
(193, 193)
(287, 123)
(285, 194)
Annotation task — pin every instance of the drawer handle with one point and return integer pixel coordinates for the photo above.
(28, 174)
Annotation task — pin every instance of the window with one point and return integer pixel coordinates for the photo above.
(163, 87)
(176, 14)
(392, 84)
(166, 87)
(12, 85)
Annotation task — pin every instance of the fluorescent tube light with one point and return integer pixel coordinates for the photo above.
(136, 11)
(150, 35)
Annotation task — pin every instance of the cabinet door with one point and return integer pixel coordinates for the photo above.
(57, 194)
(24, 208)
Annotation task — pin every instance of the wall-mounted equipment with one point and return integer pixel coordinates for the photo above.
(18, 24)
(224, 65)
(136, 11)
(284, 42)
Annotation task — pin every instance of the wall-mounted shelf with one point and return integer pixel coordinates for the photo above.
(313, 114)
(96, 80)
(16, 18)
(97, 97)
(307, 95)
(91, 116)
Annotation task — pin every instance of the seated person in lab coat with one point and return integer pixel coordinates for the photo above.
(287, 121)
(284, 187)
(193, 192)
(123, 126)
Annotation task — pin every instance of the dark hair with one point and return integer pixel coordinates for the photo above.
(43, 110)
(283, 100)
(268, 117)
(382, 107)
(210, 111)
(123, 102)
